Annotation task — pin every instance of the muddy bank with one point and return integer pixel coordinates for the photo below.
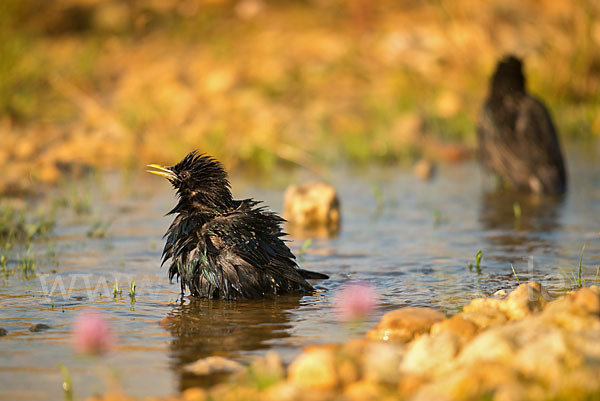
(518, 346)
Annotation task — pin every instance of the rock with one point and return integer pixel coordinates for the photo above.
(312, 205)
(475, 382)
(524, 300)
(34, 328)
(347, 370)
(424, 169)
(588, 299)
(112, 17)
(363, 391)
(410, 383)
(405, 324)
(407, 130)
(543, 353)
(194, 394)
(229, 392)
(482, 304)
(315, 368)
(381, 362)
(3, 332)
(431, 354)
(283, 391)
(112, 396)
(213, 364)
(248, 9)
(448, 104)
(270, 367)
(462, 328)
(492, 345)
(576, 311)
(483, 317)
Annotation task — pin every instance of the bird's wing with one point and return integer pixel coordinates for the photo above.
(521, 144)
(496, 137)
(251, 240)
(537, 134)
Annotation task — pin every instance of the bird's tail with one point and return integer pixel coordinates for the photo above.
(307, 274)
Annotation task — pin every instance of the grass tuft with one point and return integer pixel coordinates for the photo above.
(515, 273)
(304, 247)
(116, 288)
(580, 279)
(517, 210)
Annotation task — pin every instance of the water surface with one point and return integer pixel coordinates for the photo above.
(413, 246)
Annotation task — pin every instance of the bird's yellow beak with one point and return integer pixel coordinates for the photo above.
(160, 170)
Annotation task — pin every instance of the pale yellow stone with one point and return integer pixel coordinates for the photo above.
(381, 362)
(405, 324)
(462, 328)
(194, 394)
(314, 368)
(312, 204)
(363, 391)
(431, 354)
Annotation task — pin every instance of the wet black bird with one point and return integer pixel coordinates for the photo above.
(517, 138)
(219, 247)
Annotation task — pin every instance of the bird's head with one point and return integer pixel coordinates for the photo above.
(508, 77)
(199, 180)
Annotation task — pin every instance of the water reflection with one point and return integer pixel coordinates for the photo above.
(205, 327)
(331, 230)
(518, 222)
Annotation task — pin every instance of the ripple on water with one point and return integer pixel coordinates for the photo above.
(414, 249)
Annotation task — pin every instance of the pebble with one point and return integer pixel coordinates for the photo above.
(213, 364)
(34, 328)
(315, 368)
(194, 394)
(462, 328)
(405, 324)
(424, 169)
(429, 354)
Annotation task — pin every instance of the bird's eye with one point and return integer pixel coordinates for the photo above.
(185, 175)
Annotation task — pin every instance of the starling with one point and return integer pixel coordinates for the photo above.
(219, 247)
(517, 139)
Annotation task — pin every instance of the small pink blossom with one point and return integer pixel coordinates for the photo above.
(355, 301)
(92, 333)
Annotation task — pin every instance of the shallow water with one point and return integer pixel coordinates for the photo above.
(414, 247)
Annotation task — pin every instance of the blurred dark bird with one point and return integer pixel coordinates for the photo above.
(225, 248)
(517, 139)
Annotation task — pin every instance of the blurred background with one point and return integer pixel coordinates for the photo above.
(262, 84)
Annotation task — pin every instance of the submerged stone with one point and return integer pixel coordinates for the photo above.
(34, 328)
(3, 332)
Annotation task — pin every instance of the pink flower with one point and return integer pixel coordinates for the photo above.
(92, 333)
(355, 301)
